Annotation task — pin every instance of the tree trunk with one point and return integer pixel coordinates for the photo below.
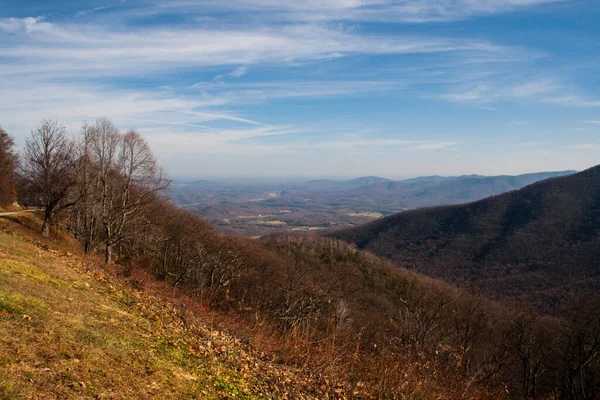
(107, 254)
(46, 224)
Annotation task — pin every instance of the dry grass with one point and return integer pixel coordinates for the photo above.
(71, 331)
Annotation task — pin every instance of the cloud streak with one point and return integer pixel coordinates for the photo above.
(98, 51)
(487, 93)
(236, 73)
(407, 11)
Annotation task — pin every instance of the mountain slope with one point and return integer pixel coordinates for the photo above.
(540, 243)
(329, 322)
(71, 332)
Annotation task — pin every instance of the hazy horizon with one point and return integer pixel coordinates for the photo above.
(301, 178)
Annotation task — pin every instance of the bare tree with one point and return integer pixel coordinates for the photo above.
(8, 164)
(579, 353)
(49, 167)
(85, 216)
(127, 180)
(420, 319)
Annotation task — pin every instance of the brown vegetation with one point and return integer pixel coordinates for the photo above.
(364, 326)
(70, 329)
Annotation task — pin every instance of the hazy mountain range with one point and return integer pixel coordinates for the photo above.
(256, 208)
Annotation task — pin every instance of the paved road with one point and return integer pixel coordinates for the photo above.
(5, 214)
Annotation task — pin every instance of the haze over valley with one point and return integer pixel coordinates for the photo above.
(257, 208)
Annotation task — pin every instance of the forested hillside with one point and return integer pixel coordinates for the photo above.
(539, 244)
(356, 325)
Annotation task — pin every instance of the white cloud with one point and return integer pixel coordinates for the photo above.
(24, 25)
(532, 89)
(236, 73)
(487, 93)
(584, 146)
(213, 116)
(435, 145)
(256, 92)
(573, 101)
(410, 11)
(98, 51)
(244, 141)
(356, 141)
(91, 10)
(45, 62)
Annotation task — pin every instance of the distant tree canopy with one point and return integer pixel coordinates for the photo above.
(8, 166)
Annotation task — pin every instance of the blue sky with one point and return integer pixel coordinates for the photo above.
(315, 88)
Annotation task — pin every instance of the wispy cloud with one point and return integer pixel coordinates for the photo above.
(254, 92)
(252, 140)
(91, 10)
(486, 93)
(96, 50)
(213, 116)
(573, 101)
(584, 146)
(46, 62)
(408, 11)
(26, 25)
(435, 145)
(558, 145)
(236, 73)
(356, 141)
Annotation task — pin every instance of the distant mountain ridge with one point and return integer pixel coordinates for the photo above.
(540, 243)
(332, 184)
(367, 180)
(438, 190)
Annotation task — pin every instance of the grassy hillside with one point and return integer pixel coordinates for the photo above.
(539, 244)
(70, 330)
